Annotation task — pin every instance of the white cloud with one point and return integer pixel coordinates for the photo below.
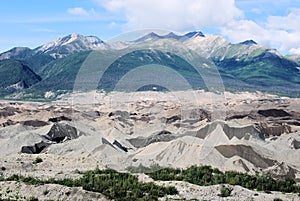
(281, 32)
(289, 22)
(295, 51)
(78, 11)
(175, 15)
(243, 29)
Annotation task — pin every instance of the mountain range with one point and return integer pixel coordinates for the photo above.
(248, 142)
(53, 67)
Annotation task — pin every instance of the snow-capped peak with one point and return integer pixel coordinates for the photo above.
(71, 38)
(72, 43)
(60, 42)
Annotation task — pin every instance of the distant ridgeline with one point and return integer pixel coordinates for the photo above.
(53, 67)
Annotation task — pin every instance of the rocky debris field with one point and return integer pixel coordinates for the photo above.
(246, 132)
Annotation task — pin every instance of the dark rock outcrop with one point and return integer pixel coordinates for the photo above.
(273, 113)
(240, 132)
(173, 119)
(274, 130)
(36, 148)
(123, 114)
(120, 146)
(105, 141)
(236, 116)
(230, 132)
(8, 123)
(61, 118)
(245, 152)
(293, 123)
(35, 123)
(62, 132)
(162, 136)
(295, 144)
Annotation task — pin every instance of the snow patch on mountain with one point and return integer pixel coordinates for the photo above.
(72, 43)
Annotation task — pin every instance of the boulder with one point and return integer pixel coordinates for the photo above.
(295, 144)
(61, 132)
(36, 148)
(273, 113)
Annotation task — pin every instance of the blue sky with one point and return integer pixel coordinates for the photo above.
(34, 22)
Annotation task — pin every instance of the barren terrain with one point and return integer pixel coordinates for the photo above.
(246, 132)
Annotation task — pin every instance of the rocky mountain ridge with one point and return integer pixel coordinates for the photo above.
(243, 66)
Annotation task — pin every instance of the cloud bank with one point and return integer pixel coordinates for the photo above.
(281, 32)
(179, 15)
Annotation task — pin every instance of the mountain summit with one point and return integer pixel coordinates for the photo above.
(171, 35)
(149, 36)
(70, 44)
(249, 42)
(194, 34)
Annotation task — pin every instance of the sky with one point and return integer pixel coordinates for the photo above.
(31, 23)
